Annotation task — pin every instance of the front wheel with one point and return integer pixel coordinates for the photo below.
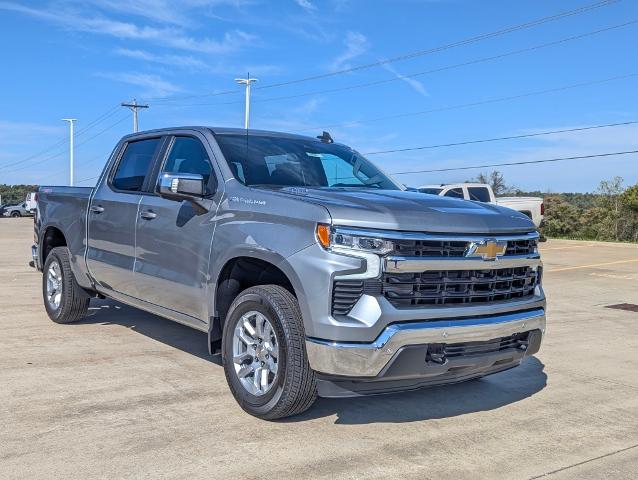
(16, 214)
(64, 299)
(264, 354)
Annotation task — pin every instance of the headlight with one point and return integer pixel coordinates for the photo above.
(336, 238)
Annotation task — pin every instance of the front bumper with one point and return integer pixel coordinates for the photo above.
(371, 360)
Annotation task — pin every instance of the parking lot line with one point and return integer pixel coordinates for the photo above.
(592, 265)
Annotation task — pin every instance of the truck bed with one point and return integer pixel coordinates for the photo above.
(65, 208)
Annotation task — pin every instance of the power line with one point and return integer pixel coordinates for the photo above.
(64, 141)
(496, 139)
(527, 162)
(473, 104)
(47, 159)
(413, 75)
(448, 46)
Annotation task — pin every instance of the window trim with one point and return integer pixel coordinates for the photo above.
(213, 182)
(149, 171)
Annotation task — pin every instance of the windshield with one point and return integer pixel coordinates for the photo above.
(279, 161)
(432, 191)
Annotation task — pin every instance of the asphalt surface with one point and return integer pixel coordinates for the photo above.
(125, 394)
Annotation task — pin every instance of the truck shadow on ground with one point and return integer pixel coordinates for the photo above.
(426, 404)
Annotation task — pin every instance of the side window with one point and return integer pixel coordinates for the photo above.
(480, 194)
(454, 193)
(188, 155)
(134, 165)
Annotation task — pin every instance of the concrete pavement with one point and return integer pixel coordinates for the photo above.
(125, 394)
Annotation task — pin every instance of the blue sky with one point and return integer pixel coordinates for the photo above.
(68, 58)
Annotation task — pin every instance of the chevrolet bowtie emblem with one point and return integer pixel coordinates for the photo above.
(486, 249)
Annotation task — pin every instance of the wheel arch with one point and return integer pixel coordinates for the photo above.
(239, 273)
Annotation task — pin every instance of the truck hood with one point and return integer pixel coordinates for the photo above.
(413, 211)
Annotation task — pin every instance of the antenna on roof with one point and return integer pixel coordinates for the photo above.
(325, 137)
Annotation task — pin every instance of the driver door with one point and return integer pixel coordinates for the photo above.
(173, 240)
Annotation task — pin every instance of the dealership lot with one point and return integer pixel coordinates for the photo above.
(125, 394)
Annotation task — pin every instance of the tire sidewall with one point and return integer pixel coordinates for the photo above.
(55, 314)
(254, 404)
(16, 214)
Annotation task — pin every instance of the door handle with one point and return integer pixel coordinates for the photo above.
(96, 209)
(148, 214)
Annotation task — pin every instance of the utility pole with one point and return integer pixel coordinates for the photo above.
(134, 106)
(71, 135)
(246, 81)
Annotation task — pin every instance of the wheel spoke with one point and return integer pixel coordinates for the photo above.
(245, 370)
(256, 378)
(264, 378)
(243, 336)
(242, 357)
(259, 324)
(248, 327)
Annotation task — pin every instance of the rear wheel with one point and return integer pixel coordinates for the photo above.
(264, 354)
(64, 299)
(16, 214)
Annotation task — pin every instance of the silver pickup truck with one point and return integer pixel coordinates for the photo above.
(312, 271)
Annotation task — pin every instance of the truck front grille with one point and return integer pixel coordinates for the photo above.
(455, 248)
(445, 287)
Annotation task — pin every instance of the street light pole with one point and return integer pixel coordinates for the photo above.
(246, 81)
(71, 135)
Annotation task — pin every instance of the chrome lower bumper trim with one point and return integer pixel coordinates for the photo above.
(368, 359)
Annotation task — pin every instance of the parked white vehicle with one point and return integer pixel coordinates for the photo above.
(533, 207)
(30, 203)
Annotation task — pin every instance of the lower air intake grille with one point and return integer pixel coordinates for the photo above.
(345, 293)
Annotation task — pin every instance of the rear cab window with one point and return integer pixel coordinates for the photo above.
(135, 164)
(479, 194)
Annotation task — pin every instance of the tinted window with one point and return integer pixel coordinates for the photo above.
(431, 191)
(135, 164)
(454, 193)
(480, 194)
(283, 161)
(188, 155)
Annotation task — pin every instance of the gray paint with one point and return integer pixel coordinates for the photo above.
(170, 265)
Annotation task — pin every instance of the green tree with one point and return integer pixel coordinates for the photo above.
(495, 180)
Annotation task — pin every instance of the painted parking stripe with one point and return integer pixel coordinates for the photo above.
(592, 265)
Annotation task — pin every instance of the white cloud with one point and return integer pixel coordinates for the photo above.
(153, 85)
(356, 44)
(306, 5)
(167, 36)
(415, 84)
(171, 60)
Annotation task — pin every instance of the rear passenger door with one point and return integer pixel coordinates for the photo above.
(113, 214)
(173, 239)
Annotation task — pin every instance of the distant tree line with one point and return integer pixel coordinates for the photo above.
(610, 213)
(13, 194)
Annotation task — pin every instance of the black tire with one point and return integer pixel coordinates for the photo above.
(295, 388)
(74, 301)
(16, 214)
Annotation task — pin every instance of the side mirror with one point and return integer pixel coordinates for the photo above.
(184, 186)
(181, 186)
